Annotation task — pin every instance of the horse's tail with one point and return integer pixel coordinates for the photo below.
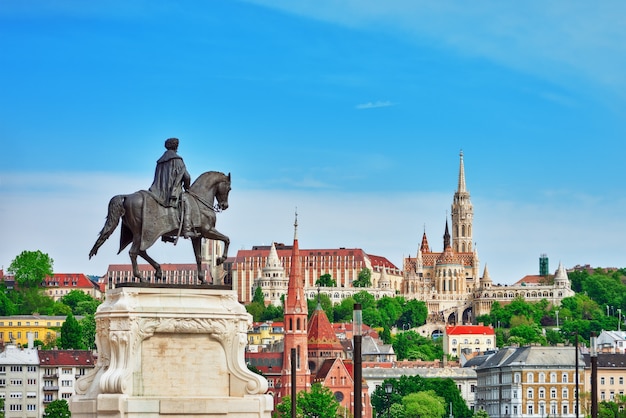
(116, 211)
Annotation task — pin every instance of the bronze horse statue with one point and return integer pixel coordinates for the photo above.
(144, 221)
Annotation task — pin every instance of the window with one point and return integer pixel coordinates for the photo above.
(565, 394)
(529, 409)
(16, 368)
(473, 388)
(553, 378)
(542, 377)
(602, 380)
(621, 380)
(602, 396)
(542, 393)
(564, 408)
(31, 381)
(476, 341)
(16, 382)
(3, 369)
(553, 395)
(454, 341)
(529, 394)
(67, 371)
(15, 407)
(516, 377)
(611, 380)
(66, 395)
(31, 407)
(16, 395)
(529, 378)
(564, 378)
(31, 368)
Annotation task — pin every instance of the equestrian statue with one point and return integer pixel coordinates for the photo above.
(170, 208)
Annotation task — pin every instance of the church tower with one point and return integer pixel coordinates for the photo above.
(296, 315)
(462, 215)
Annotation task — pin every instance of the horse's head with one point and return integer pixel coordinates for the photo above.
(213, 185)
(221, 194)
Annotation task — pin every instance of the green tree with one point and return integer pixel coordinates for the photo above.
(80, 303)
(412, 346)
(343, 311)
(7, 306)
(256, 309)
(71, 335)
(30, 268)
(283, 409)
(424, 405)
(414, 313)
(364, 278)
(319, 402)
(326, 280)
(258, 296)
(272, 313)
(57, 409)
(88, 331)
(481, 413)
(390, 310)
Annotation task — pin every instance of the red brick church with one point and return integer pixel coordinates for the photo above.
(320, 356)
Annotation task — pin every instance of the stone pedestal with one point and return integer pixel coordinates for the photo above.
(171, 352)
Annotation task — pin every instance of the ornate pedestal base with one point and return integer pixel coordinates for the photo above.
(171, 352)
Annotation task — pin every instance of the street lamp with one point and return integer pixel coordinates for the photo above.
(357, 335)
(388, 391)
(557, 319)
(593, 354)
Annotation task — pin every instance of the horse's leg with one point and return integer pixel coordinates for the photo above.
(197, 250)
(158, 275)
(216, 235)
(134, 250)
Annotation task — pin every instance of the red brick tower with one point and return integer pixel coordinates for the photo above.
(296, 315)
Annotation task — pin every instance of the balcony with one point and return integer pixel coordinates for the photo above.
(50, 388)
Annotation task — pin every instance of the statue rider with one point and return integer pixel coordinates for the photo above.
(170, 177)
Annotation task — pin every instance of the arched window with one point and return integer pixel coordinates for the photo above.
(553, 377)
(530, 393)
(542, 393)
(542, 377)
(553, 393)
(529, 378)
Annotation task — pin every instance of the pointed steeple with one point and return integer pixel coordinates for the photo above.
(296, 324)
(446, 237)
(485, 281)
(272, 259)
(462, 214)
(561, 279)
(296, 301)
(424, 248)
(461, 188)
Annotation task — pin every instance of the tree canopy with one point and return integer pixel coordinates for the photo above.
(30, 268)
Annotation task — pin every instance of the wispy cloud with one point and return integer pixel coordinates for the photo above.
(373, 105)
(562, 41)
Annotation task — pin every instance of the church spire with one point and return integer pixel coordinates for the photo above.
(461, 188)
(295, 318)
(462, 215)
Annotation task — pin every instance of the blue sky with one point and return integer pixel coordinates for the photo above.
(352, 111)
